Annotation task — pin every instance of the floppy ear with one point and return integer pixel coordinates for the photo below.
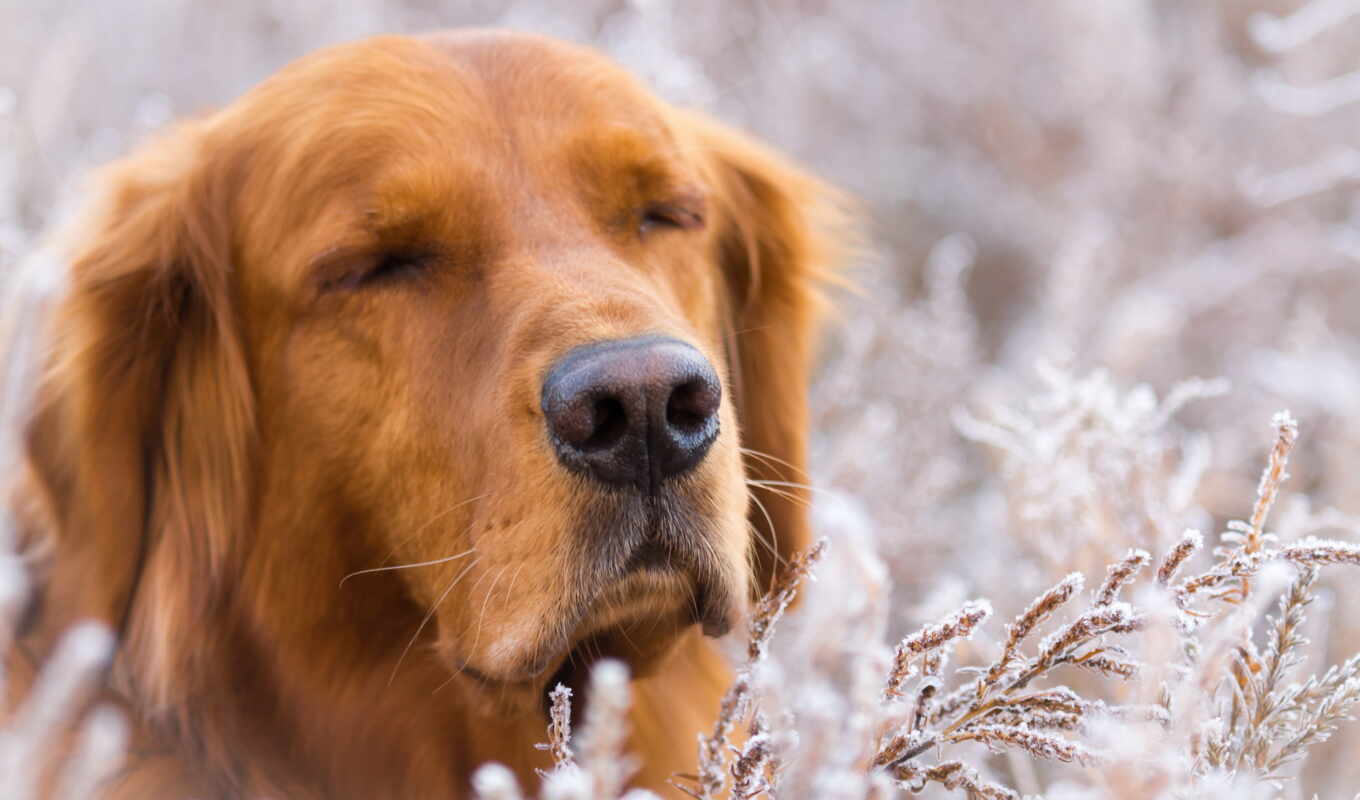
(783, 236)
(139, 441)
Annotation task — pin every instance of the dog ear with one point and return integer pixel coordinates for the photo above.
(138, 445)
(783, 237)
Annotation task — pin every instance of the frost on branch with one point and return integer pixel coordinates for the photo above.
(601, 766)
(1159, 677)
(1154, 676)
(1084, 466)
(66, 683)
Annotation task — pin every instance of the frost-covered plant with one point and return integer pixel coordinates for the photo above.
(1170, 689)
(58, 694)
(1212, 714)
(755, 766)
(1085, 464)
(599, 767)
(1219, 707)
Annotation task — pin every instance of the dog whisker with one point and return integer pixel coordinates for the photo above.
(486, 600)
(775, 490)
(432, 520)
(430, 563)
(788, 485)
(428, 616)
(772, 459)
(732, 335)
(513, 579)
(480, 620)
(772, 543)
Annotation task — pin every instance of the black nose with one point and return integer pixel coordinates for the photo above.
(632, 412)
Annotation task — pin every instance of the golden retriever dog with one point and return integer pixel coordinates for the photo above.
(420, 378)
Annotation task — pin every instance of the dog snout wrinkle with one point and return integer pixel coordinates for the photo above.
(632, 412)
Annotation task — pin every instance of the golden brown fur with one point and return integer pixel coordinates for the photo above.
(240, 419)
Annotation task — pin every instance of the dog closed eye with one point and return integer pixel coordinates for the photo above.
(670, 215)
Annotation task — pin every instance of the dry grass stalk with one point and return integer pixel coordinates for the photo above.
(1110, 666)
(750, 776)
(1251, 538)
(604, 766)
(1271, 722)
(925, 642)
(776, 601)
(559, 728)
(1190, 543)
(60, 696)
(1314, 551)
(1272, 477)
(997, 711)
(708, 783)
(952, 775)
(1029, 738)
(1038, 611)
(604, 736)
(1119, 574)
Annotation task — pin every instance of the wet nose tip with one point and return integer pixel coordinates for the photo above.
(632, 412)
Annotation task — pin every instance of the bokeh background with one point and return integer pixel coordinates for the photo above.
(1133, 192)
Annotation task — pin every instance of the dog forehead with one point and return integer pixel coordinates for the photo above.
(519, 81)
(479, 85)
(500, 99)
(481, 140)
(551, 78)
(454, 120)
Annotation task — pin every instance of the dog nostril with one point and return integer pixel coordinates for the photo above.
(691, 405)
(611, 423)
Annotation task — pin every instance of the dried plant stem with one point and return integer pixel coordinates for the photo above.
(1119, 574)
(714, 748)
(559, 728)
(1037, 612)
(1314, 551)
(1191, 541)
(1272, 477)
(931, 638)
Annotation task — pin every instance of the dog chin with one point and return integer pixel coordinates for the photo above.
(639, 621)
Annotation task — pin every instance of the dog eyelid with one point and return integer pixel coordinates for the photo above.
(391, 265)
(346, 269)
(669, 215)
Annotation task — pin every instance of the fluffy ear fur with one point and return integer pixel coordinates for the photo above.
(140, 438)
(784, 237)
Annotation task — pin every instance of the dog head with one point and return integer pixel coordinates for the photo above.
(467, 343)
